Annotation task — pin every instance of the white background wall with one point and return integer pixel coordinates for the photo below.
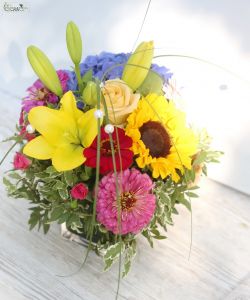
(217, 31)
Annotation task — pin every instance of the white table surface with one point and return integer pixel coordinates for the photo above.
(219, 267)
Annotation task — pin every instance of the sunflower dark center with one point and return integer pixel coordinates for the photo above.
(127, 200)
(155, 138)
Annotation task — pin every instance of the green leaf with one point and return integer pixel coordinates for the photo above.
(59, 185)
(153, 83)
(7, 182)
(10, 187)
(193, 188)
(155, 232)
(112, 254)
(192, 195)
(200, 158)
(86, 174)
(56, 213)
(73, 220)
(51, 170)
(17, 138)
(165, 198)
(15, 175)
(185, 202)
(190, 175)
(63, 218)
(53, 173)
(63, 194)
(102, 228)
(204, 170)
(148, 237)
(46, 228)
(74, 204)
(42, 175)
(127, 266)
(108, 263)
(175, 211)
(114, 251)
(87, 76)
(159, 237)
(69, 178)
(130, 254)
(34, 219)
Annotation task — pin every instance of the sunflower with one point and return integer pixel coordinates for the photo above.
(161, 139)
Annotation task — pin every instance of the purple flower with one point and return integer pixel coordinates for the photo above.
(39, 95)
(163, 72)
(111, 66)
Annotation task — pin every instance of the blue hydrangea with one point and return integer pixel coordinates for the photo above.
(102, 63)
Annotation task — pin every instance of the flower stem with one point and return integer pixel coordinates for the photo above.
(79, 79)
(7, 153)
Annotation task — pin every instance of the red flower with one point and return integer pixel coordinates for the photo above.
(106, 164)
(23, 132)
(21, 162)
(79, 191)
(27, 136)
(21, 119)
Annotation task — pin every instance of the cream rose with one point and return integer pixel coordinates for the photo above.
(120, 101)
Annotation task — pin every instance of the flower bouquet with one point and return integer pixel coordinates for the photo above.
(103, 151)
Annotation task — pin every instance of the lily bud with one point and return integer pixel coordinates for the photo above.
(44, 70)
(90, 93)
(138, 64)
(74, 43)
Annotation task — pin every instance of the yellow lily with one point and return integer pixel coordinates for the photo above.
(64, 133)
(44, 70)
(74, 42)
(90, 93)
(138, 65)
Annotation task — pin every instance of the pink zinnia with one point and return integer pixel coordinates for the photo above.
(137, 201)
(21, 162)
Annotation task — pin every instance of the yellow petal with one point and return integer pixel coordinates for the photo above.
(87, 125)
(68, 104)
(52, 124)
(68, 157)
(39, 148)
(138, 65)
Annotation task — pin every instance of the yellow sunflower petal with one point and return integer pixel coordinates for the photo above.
(68, 104)
(87, 125)
(39, 148)
(68, 157)
(176, 146)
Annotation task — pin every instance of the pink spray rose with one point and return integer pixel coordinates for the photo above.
(21, 162)
(79, 191)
